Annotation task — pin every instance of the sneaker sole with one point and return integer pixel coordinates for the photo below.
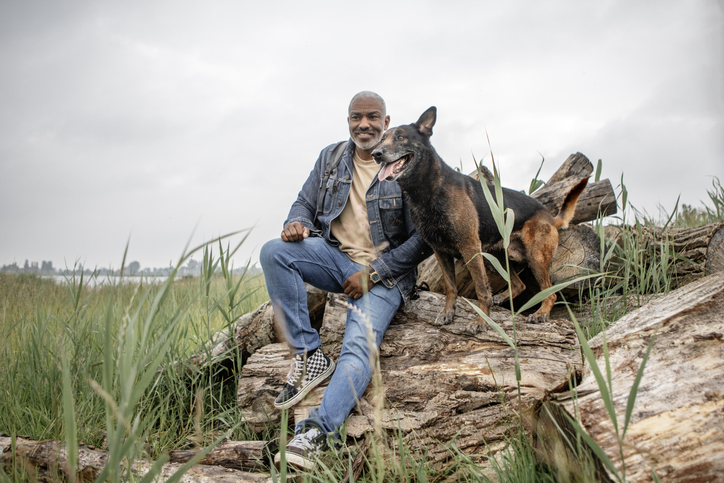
(296, 461)
(300, 395)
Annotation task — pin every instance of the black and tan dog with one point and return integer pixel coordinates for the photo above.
(452, 215)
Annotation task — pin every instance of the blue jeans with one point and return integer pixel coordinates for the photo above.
(287, 266)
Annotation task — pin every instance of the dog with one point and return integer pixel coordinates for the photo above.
(451, 214)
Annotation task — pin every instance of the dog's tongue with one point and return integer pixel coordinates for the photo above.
(386, 170)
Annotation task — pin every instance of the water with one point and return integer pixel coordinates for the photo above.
(108, 280)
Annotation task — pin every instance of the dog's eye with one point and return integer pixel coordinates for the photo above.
(400, 138)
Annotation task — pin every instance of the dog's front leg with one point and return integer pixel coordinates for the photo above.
(447, 266)
(476, 266)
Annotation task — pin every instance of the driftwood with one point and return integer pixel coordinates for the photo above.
(579, 247)
(677, 425)
(240, 455)
(700, 249)
(440, 384)
(46, 460)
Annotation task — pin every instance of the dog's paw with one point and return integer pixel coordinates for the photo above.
(474, 328)
(499, 299)
(537, 318)
(445, 318)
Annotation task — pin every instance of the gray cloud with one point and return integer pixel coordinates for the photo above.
(165, 121)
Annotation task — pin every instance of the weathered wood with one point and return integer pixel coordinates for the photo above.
(598, 199)
(699, 248)
(439, 383)
(575, 167)
(677, 425)
(715, 253)
(578, 254)
(240, 455)
(48, 459)
(254, 330)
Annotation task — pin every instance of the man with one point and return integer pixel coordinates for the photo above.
(346, 233)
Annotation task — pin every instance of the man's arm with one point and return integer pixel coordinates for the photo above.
(398, 261)
(300, 221)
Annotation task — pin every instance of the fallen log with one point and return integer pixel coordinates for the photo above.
(699, 250)
(240, 455)
(598, 199)
(677, 424)
(440, 384)
(47, 460)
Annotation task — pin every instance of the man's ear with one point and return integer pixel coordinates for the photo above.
(427, 121)
(387, 122)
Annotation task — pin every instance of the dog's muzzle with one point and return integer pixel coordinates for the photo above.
(391, 171)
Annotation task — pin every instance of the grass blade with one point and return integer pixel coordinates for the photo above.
(492, 324)
(498, 267)
(635, 387)
(71, 430)
(597, 450)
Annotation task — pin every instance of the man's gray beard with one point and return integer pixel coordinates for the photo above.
(371, 144)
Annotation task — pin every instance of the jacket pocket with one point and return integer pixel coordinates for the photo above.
(392, 215)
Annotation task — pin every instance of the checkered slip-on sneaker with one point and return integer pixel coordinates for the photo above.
(304, 449)
(304, 376)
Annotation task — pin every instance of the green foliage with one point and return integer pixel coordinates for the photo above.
(101, 363)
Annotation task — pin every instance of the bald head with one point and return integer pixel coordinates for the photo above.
(368, 95)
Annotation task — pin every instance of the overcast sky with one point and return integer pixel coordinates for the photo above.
(167, 122)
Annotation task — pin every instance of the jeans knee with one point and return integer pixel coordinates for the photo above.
(268, 252)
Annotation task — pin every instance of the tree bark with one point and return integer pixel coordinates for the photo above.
(439, 383)
(677, 424)
(597, 200)
(240, 455)
(48, 459)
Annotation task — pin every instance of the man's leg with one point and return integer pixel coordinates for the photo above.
(287, 266)
(363, 335)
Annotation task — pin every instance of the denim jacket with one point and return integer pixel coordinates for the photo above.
(400, 247)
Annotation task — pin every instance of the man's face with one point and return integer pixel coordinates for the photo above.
(367, 122)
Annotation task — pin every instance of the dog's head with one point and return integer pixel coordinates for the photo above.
(401, 147)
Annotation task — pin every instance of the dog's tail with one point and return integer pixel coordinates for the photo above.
(568, 208)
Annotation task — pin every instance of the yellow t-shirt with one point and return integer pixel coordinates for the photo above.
(352, 227)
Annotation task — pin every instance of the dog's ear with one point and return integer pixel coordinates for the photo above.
(427, 121)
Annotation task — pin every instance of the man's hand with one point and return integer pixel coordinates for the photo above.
(358, 284)
(295, 231)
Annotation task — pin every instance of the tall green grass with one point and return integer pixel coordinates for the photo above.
(98, 363)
